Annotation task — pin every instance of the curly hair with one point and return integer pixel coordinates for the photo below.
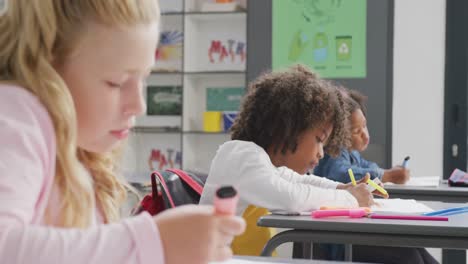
(355, 100)
(280, 106)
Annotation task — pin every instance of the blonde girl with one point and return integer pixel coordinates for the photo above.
(71, 82)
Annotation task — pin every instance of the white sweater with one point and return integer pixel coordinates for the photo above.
(248, 168)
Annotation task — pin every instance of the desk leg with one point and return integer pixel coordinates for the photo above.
(348, 252)
(307, 247)
(302, 250)
(298, 250)
(451, 256)
(287, 236)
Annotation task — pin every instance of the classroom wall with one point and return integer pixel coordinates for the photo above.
(418, 85)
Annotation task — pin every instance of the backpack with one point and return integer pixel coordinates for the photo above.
(458, 178)
(171, 188)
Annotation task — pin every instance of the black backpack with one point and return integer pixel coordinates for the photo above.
(171, 188)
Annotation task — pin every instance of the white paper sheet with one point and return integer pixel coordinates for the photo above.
(424, 181)
(396, 205)
(400, 206)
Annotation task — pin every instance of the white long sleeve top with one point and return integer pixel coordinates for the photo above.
(248, 167)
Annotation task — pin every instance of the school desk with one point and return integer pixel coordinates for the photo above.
(441, 193)
(450, 234)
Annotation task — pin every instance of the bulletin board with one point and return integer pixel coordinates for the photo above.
(375, 77)
(329, 36)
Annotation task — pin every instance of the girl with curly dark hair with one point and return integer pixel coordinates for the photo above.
(285, 122)
(337, 168)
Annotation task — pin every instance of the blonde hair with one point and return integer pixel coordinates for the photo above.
(36, 35)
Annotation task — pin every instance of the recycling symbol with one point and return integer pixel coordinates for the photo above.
(343, 49)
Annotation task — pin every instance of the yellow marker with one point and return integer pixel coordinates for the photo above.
(377, 187)
(351, 175)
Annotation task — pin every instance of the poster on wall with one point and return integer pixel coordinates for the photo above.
(329, 36)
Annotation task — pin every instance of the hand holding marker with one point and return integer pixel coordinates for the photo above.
(372, 184)
(377, 187)
(225, 201)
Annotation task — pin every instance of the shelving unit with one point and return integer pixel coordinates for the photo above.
(195, 71)
(195, 99)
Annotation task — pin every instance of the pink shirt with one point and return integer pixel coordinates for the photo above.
(27, 170)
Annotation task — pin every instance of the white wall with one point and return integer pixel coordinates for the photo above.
(418, 85)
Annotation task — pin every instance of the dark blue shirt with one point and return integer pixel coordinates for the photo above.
(337, 168)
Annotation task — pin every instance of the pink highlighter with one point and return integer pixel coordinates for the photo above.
(225, 201)
(353, 213)
(362, 212)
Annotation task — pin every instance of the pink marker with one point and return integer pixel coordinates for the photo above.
(225, 201)
(353, 213)
(357, 213)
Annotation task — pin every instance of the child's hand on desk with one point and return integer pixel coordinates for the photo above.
(346, 186)
(397, 175)
(377, 193)
(362, 195)
(194, 234)
(359, 191)
(363, 181)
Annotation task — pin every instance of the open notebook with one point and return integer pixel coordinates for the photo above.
(400, 206)
(423, 181)
(408, 206)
